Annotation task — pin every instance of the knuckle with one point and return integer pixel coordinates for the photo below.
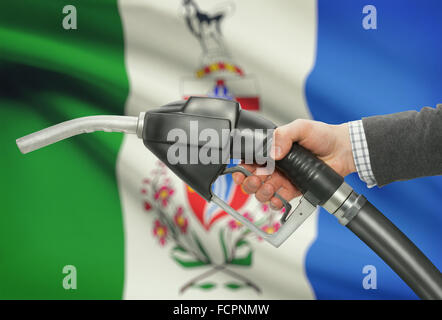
(265, 190)
(274, 181)
(247, 189)
(302, 124)
(261, 198)
(252, 184)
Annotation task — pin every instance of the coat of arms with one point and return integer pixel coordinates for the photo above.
(217, 75)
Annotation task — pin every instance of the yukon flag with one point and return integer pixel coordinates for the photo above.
(102, 211)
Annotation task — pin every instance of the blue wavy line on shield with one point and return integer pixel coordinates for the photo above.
(223, 187)
(221, 91)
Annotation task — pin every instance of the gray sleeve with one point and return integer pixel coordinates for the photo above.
(405, 145)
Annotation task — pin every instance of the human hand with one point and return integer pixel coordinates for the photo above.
(330, 143)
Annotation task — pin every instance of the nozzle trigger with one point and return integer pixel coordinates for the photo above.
(290, 221)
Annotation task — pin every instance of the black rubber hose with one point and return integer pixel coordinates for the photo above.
(402, 255)
(313, 177)
(318, 182)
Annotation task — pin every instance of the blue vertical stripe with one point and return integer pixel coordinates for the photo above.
(360, 73)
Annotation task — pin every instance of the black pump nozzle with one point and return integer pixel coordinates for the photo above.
(319, 183)
(218, 115)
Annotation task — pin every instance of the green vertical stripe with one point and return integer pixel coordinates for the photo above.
(60, 205)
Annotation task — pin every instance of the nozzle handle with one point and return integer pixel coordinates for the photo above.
(316, 180)
(313, 177)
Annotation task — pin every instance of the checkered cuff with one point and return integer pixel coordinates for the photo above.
(360, 153)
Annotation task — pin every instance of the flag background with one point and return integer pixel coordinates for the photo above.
(77, 202)
(360, 73)
(157, 72)
(61, 206)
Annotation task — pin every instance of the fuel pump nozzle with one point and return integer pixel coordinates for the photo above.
(154, 127)
(319, 183)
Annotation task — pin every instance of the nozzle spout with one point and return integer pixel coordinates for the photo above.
(78, 126)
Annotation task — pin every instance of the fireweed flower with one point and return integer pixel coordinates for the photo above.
(160, 231)
(163, 195)
(265, 207)
(147, 206)
(234, 224)
(180, 220)
(271, 228)
(248, 216)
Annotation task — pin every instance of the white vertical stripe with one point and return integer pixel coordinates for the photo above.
(274, 41)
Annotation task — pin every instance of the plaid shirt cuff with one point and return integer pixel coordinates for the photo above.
(361, 156)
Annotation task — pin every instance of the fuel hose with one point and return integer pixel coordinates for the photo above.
(321, 185)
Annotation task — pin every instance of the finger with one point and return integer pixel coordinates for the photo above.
(285, 135)
(251, 184)
(238, 177)
(287, 194)
(265, 192)
(276, 204)
(277, 180)
(254, 181)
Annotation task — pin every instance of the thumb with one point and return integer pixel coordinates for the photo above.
(286, 135)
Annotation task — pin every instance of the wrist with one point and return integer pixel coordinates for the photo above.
(346, 148)
(360, 151)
